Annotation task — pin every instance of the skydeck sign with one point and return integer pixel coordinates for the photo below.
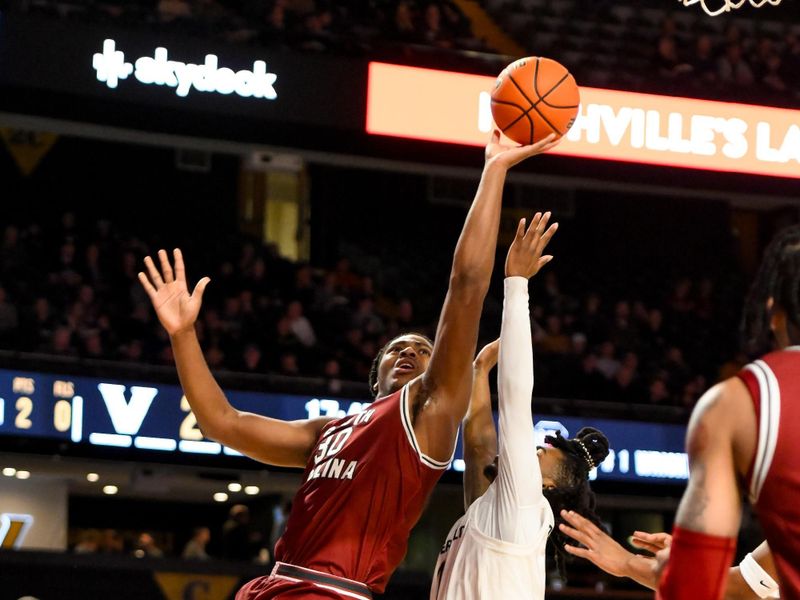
(455, 108)
(111, 67)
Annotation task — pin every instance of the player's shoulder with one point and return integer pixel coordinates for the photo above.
(720, 406)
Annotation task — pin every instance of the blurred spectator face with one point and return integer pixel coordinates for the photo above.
(354, 337)
(252, 357)
(232, 307)
(283, 327)
(67, 253)
(624, 376)
(41, 307)
(655, 318)
(433, 17)
(10, 236)
(674, 355)
(203, 535)
(666, 48)
(92, 254)
(86, 295)
(553, 325)
(215, 356)
(592, 304)
(365, 306)
(630, 361)
(294, 310)
(589, 363)
(277, 16)
(734, 53)
(332, 369)
(303, 277)
(405, 311)
(622, 310)
(402, 17)
(62, 337)
(704, 46)
(259, 269)
(607, 350)
(578, 343)
(133, 350)
(733, 34)
(658, 391)
(289, 364)
(94, 345)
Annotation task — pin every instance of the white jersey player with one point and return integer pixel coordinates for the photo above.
(497, 549)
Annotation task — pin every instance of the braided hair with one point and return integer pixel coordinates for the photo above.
(376, 363)
(778, 278)
(572, 492)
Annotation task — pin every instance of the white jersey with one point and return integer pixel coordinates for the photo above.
(496, 551)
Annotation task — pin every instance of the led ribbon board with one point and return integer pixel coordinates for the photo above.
(449, 107)
(155, 417)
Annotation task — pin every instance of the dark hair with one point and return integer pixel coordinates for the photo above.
(572, 492)
(778, 278)
(373, 370)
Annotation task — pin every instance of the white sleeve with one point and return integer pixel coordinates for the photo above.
(515, 503)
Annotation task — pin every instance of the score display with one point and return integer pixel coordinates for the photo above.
(157, 417)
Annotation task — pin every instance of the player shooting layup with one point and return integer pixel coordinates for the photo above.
(367, 476)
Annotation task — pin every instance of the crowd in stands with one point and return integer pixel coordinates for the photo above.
(72, 290)
(660, 48)
(312, 25)
(236, 540)
(621, 45)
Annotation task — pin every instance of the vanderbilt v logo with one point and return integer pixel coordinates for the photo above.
(13, 528)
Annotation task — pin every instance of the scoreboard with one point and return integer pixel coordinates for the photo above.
(141, 416)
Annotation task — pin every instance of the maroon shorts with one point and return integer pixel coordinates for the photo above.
(288, 582)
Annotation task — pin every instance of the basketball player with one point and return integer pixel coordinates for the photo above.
(367, 476)
(754, 578)
(497, 549)
(743, 437)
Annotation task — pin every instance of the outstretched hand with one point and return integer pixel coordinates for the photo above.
(600, 548)
(525, 254)
(177, 310)
(508, 156)
(652, 542)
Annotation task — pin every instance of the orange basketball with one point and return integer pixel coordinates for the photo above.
(534, 97)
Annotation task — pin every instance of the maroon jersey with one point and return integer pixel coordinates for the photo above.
(364, 488)
(774, 477)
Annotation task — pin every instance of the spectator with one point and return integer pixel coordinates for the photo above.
(195, 548)
(146, 547)
(238, 539)
(733, 69)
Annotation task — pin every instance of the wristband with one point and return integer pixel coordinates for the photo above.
(758, 579)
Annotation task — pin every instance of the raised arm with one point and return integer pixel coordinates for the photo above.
(480, 436)
(704, 538)
(441, 397)
(264, 439)
(519, 478)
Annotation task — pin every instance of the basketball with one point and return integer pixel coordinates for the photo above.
(534, 97)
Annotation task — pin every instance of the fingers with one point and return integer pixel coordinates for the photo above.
(576, 534)
(660, 539)
(495, 136)
(521, 229)
(200, 288)
(548, 235)
(166, 268)
(180, 269)
(148, 287)
(581, 552)
(579, 521)
(155, 276)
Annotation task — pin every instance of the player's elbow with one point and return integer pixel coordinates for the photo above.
(469, 284)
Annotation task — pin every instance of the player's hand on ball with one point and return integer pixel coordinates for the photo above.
(507, 155)
(525, 254)
(176, 308)
(487, 357)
